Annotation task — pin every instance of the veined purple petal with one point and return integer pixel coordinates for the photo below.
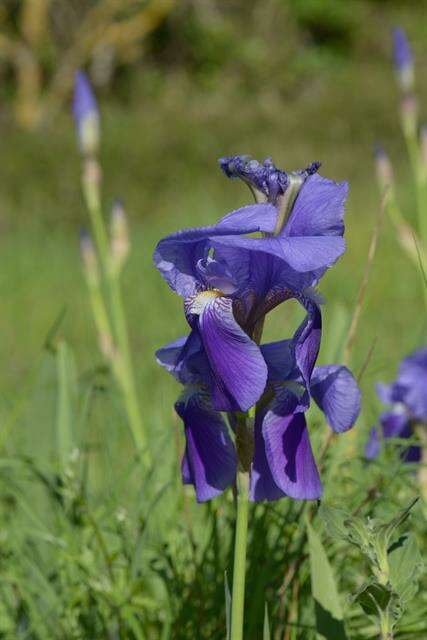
(177, 255)
(262, 486)
(209, 461)
(337, 393)
(372, 447)
(238, 368)
(302, 254)
(289, 454)
(318, 209)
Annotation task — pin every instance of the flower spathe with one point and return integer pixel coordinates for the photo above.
(230, 275)
(407, 397)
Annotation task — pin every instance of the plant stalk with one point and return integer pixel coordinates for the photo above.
(240, 545)
(121, 357)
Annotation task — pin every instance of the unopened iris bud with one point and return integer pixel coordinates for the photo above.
(119, 236)
(384, 169)
(86, 115)
(403, 60)
(89, 259)
(409, 115)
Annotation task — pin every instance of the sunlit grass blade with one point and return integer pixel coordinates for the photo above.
(67, 384)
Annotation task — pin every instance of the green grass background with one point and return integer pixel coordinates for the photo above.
(160, 145)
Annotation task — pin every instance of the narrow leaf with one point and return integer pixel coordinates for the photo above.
(67, 386)
(266, 634)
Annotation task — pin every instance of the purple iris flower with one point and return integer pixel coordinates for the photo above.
(403, 59)
(230, 276)
(232, 273)
(283, 463)
(407, 396)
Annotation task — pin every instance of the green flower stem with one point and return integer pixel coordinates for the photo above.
(240, 544)
(115, 341)
(91, 185)
(128, 377)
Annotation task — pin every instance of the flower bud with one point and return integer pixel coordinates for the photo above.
(403, 60)
(89, 258)
(119, 236)
(86, 115)
(384, 169)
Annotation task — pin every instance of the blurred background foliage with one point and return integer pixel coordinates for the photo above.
(98, 549)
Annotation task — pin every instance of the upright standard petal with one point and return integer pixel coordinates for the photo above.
(289, 453)
(318, 209)
(238, 368)
(338, 395)
(209, 461)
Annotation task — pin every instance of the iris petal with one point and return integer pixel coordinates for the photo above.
(238, 368)
(289, 453)
(262, 486)
(336, 392)
(318, 209)
(307, 340)
(209, 461)
(177, 255)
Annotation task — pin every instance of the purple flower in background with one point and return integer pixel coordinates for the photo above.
(403, 59)
(229, 281)
(86, 114)
(407, 397)
(283, 462)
